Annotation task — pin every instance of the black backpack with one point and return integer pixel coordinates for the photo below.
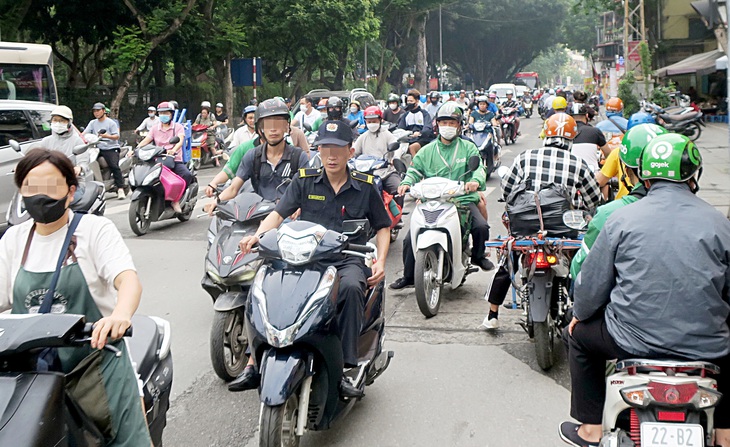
(530, 211)
(293, 164)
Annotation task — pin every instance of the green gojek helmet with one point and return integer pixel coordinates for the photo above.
(450, 110)
(671, 157)
(635, 140)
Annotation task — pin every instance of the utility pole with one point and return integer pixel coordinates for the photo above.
(441, 52)
(366, 65)
(634, 29)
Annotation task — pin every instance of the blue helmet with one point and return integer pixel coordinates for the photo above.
(640, 118)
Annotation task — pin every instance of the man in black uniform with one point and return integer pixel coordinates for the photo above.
(329, 196)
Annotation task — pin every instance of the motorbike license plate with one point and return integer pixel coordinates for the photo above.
(671, 435)
(196, 152)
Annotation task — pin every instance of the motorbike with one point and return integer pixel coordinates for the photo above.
(507, 120)
(227, 279)
(368, 164)
(201, 153)
(291, 325)
(101, 170)
(38, 410)
(655, 403)
(483, 136)
(684, 121)
(148, 193)
(88, 199)
(440, 246)
(527, 105)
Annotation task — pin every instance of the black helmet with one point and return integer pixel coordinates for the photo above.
(435, 94)
(578, 108)
(271, 107)
(332, 104)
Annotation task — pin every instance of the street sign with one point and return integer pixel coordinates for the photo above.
(634, 51)
(242, 72)
(621, 60)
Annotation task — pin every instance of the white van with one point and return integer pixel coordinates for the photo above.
(501, 91)
(26, 73)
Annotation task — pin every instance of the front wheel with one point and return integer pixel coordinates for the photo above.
(545, 343)
(139, 223)
(428, 290)
(228, 344)
(278, 424)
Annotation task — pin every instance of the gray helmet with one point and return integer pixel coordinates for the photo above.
(249, 109)
(449, 110)
(393, 98)
(271, 107)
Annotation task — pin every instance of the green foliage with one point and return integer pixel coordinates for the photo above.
(550, 64)
(129, 47)
(660, 95)
(626, 93)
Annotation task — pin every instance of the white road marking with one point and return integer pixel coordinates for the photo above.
(123, 208)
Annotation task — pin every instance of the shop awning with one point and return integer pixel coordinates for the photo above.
(701, 64)
(721, 63)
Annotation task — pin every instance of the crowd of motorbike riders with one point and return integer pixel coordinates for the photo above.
(652, 278)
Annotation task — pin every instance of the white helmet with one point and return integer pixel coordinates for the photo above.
(205, 104)
(220, 104)
(510, 92)
(63, 112)
(552, 91)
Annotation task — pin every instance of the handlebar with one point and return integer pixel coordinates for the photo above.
(360, 248)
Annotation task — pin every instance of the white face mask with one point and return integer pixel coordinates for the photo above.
(373, 127)
(353, 110)
(59, 128)
(305, 109)
(151, 115)
(448, 133)
(393, 106)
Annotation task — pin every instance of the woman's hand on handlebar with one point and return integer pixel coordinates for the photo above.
(112, 326)
(403, 189)
(247, 243)
(210, 191)
(378, 274)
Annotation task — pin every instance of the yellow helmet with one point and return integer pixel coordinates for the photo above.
(560, 103)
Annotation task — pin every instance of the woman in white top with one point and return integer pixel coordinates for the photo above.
(97, 279)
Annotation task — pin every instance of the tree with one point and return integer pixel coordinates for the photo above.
(14, 11)
(134, 45)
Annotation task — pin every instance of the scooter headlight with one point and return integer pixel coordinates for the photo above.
(146, 154)
(297, 248)
(285, 337)
(432, 192)
(153, 175)
(363, 165)
(244, 273)
(132, 180)
(212, 271)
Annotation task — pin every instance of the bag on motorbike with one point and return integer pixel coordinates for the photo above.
(393, 209)
(288, 173)
(525, 217)
(173, 184)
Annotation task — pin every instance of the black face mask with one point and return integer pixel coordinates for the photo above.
(434, 101)
(44, 209)
(410, 107)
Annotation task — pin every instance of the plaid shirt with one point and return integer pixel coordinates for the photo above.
(552, 165)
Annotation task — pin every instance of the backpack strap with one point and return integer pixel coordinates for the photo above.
(48, 298)
(256, 174)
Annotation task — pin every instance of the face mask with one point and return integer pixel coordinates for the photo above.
(448, 133)
(151, 115)
(305, 109)
(44, 209)
(410, 106)
(164, 119)
(393, 106)
(373, 127)
(434, 101)
(59, 128)
(353, 110)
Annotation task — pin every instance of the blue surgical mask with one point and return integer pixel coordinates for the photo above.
(164, 119)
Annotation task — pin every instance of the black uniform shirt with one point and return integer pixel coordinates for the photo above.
(311, 191)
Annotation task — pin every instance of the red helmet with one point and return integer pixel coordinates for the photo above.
(373, 112)
(164, 107)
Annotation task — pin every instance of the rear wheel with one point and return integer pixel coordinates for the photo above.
(545, 343)
(139, 223)
(394, 234)
(184, 217)
(693, 131)
(228, 344)
(278, 424)
(428, 290)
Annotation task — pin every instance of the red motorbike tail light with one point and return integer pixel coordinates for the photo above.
(541, 260)
(670, 395)
(673, 394)
(671, 416)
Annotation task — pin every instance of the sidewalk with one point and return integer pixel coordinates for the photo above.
(715, 181)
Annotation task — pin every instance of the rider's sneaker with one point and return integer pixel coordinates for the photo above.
(401, 283)
(568, 432)
(120, 194)
(491, 321)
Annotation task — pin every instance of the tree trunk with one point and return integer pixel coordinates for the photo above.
(421, 81)
(228, 90)
(12, 17)
(339, 81)
(122, 89)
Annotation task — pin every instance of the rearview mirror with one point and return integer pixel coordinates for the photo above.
(392, 147)
(15, 145)
(307, 127)
(474, 163)
(80, 149)
(399, 166)
(174, 140)
(575, 219)
(502, 171)
(354, 124)
(102, 131)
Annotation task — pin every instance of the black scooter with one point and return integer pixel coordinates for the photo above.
(89, 197)
(35, 410)
(148, 197)
(291, 325)
(228, 277)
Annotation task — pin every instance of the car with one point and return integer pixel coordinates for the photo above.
(365, 98)
(501, 91)
(26, 122)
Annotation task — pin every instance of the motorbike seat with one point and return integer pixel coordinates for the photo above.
(85, 195)
(143, 344)
(679, 118)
